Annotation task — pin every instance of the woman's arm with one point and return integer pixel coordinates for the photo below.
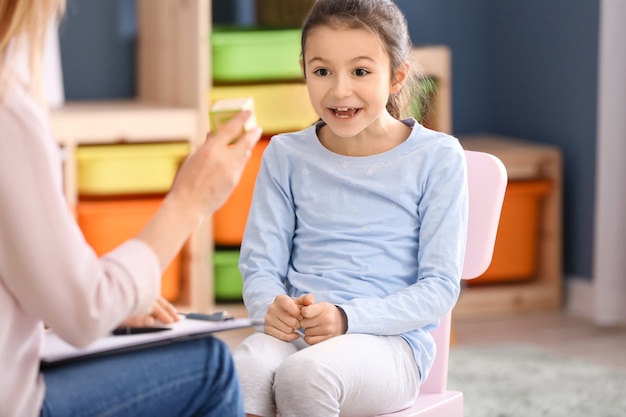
(45, 261)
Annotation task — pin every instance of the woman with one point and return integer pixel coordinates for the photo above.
(49, 274)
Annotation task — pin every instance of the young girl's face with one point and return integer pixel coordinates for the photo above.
(349, 78)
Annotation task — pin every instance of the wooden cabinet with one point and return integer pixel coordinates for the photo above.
(524, 160)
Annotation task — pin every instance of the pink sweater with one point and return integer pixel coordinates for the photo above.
(48, 273)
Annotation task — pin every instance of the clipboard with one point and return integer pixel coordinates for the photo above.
(57, 352)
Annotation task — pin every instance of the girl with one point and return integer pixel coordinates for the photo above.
(355, 238)
(49, 274)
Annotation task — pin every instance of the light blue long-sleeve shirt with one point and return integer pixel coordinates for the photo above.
(381, 236)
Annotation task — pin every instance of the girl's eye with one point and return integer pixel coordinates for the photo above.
(322, 72)
(360, 72)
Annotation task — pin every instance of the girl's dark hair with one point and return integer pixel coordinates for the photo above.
(383, 19)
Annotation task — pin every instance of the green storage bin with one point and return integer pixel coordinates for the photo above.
(245, 55)
(226, 277)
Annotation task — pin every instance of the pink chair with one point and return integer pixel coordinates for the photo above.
(487, 181)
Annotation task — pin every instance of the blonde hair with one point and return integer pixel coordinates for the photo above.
(26, 21)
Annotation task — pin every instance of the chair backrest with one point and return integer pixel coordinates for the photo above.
(487, 179)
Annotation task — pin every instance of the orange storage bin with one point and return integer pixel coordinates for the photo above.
(229, 221)
(515, 252)
(108, 223)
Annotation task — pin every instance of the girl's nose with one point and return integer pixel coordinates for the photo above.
(342, 87)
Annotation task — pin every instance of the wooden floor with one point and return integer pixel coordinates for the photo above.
(554, 331)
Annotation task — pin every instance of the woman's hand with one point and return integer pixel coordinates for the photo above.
(203, 183)
(163, 311)
(211, 172)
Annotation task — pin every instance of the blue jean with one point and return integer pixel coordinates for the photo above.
(190, 378)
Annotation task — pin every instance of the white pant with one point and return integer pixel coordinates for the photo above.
(353, 375)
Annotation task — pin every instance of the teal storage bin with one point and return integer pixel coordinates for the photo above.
(249, 55)
(226, 277)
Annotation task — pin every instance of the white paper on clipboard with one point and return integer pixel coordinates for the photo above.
(56, 351)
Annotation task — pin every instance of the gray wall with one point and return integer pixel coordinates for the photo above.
(524, 68)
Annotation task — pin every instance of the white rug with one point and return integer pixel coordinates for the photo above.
(523, 381)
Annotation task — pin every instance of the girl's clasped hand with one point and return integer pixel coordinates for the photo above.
(289, 318)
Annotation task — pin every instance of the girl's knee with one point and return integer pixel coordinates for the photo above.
(304, 377)
(303, 386)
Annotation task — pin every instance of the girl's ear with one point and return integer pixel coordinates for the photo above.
(302, 66)
(402, 72)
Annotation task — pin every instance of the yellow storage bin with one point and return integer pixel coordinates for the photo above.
(146, 168)
(517, 241)
(280, 107)
(107, 223)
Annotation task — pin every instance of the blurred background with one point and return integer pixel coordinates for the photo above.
(525, 69)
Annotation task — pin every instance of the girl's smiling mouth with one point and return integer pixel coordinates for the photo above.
(344, 112)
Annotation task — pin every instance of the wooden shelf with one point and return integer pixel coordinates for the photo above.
(84, 123)
(524, 160)
(122, 121)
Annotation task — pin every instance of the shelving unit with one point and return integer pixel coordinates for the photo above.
(524, 160)
(173, 79)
